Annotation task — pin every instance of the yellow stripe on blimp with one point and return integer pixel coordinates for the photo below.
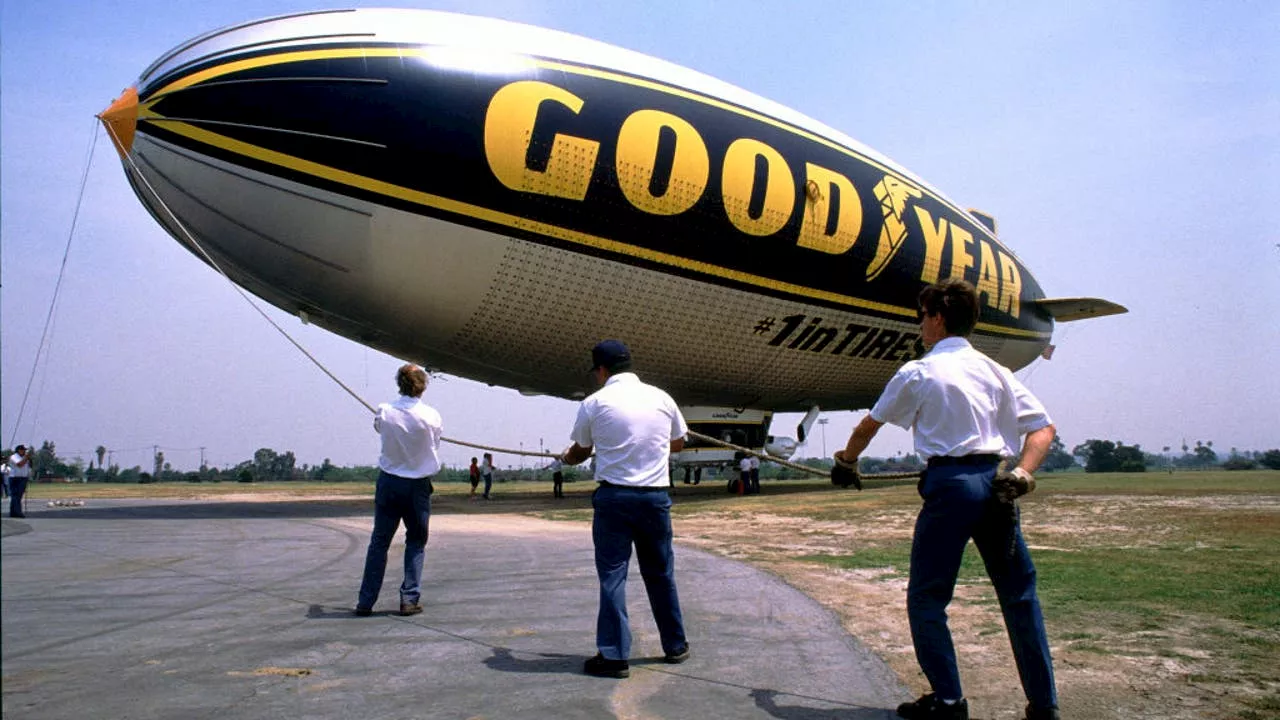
(272, 157)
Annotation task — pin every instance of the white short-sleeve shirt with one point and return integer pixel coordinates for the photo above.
(410, 431)
(958, 401)
(16, 470)
(631, 425)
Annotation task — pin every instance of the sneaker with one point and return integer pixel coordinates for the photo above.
(929, 707)
(1035, 713)
(678, 657)
(362, 612)
(600, 666)
(410, 608)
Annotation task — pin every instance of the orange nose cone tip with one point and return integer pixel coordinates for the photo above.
(121, 119)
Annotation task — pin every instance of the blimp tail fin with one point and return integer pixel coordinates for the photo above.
(1068, 309)
(987, 219)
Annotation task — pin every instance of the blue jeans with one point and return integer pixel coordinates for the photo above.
(397, 499)
(957, 506)
(624, 517)
(488, 483)
(17, 488)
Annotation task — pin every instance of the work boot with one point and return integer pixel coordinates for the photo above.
(929, 707)
(410, 608)
(600, 666)
(1035, 713)
(677, 657)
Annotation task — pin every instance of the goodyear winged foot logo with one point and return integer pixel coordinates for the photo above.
(893, 195)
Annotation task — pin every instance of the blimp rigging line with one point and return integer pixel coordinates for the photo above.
(213, 263)
(46, 339)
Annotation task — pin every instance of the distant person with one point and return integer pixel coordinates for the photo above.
(744, 475)
(19, 475)
(4, 473)
(633, 428)
(475, 477)
(410, 431)
(486, 473)
(966, 412)
(557, 478)
(755, 476)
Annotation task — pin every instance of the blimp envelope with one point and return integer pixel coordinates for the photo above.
(491, 199)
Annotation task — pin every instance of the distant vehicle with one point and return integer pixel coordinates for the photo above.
(491, 199)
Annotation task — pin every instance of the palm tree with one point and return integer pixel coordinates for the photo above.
(101, 452)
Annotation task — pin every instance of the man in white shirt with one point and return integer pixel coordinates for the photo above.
(755, 476)
(557, 478)
(966, 412)
(410, 431)
(19, 475)
(633, 428)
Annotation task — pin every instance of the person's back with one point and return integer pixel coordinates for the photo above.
(631, 427)
(410, 431)
(957, 401)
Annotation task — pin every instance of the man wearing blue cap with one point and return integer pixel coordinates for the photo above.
(633, 429)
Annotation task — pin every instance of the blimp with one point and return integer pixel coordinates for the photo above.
(490, 199)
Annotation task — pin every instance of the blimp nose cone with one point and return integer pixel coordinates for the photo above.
(121, 118)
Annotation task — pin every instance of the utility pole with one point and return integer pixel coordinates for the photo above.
(202, 457)
(823, 423)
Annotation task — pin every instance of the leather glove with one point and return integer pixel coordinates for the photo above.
(844, 473)
(1010, 485)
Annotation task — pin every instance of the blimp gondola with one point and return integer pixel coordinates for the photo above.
(490, 199)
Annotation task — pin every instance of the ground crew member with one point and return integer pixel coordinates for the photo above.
(410, 431)
(19, 475)
(966, 412)
(633, 428)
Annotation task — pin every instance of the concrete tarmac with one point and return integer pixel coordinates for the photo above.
(147, 609)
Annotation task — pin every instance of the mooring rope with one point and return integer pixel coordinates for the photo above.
(509, 451)
(57, 287)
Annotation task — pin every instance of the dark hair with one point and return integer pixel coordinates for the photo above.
(956, 301)
(412, 380)
(20, 448)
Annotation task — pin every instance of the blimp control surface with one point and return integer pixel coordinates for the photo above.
(490, 199)
(243, 610)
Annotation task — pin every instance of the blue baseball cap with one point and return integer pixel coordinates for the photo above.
(609, 354)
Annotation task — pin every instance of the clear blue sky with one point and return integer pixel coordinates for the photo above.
(1129, 150)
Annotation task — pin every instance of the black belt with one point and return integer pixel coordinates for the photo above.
(636, 488)
(401, 477)
(979, 459)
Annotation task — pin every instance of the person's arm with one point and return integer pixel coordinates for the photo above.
(576, 454)
(859, 439)
(1035, 448)
(677, 445)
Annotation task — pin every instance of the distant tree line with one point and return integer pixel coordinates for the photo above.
(268, 465)
(1109, 456)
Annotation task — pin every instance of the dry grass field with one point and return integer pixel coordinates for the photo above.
(1161, 592)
